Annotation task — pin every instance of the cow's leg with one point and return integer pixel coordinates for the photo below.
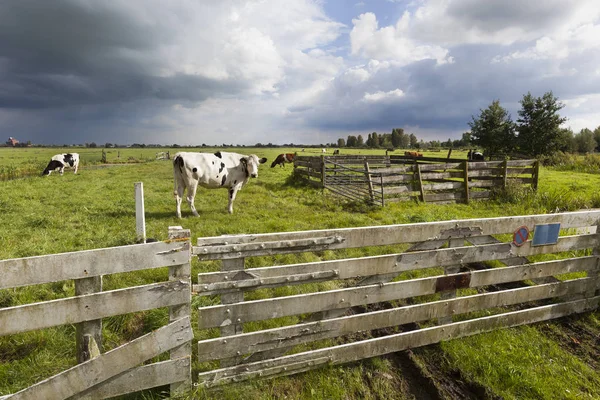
(76, 166)
(62, 169)
(191, 195)
(178, 192)
(232, 193)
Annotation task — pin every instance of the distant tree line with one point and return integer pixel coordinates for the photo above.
(537, 132)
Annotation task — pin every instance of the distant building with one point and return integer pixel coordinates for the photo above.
(12, 141)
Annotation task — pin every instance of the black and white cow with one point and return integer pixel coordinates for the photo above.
(212, 170)
(60, 161)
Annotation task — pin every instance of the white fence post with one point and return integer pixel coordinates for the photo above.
(140, 217)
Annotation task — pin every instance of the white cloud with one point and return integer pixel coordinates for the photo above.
(391, 43)
(383, 96)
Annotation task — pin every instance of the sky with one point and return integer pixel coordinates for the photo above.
(296, 71)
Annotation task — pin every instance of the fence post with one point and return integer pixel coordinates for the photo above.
(536, 174)
(505, 174)
(418, 167)
(466, 182)
(181, 272)
(369, 181)
(140, 217)
(230, 298)
(323, 172)
(88, 334)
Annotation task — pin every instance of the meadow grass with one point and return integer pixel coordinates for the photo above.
(96, 209)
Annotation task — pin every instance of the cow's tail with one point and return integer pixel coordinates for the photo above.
(177, 172)
(274, 163)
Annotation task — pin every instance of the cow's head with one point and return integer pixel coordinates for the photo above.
(250, 164)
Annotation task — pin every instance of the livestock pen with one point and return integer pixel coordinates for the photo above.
(381, 179)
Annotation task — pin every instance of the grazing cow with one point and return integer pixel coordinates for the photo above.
(282, 159)
(60, 161)
(413, 154)
(475, 156)
(336, 152)
(323, 151)
(221, 169)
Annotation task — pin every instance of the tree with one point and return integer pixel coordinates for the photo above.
(397, 134)
(351, 141)
(539, 124)
(597, 137)
(493, 130)
(466, 139)
(360, 141)
(413, 142)
(585, 142)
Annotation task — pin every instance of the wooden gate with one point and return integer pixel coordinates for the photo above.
(281, 318)
(119, 371)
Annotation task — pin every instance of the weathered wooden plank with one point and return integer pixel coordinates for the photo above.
(445, 196)
(521, 163)
(388, 179)
(88, 334)
(441, 175)
(400, 189)
(478, 173)
(92, 306)
(84, 264)
(444, 186)
(484, 184)
(440, 167)
(401, 341)
(140, 378)
(396, 263)
(402, 233)
(285, 337)
(99, 369)
(181, 273)
(257, 310)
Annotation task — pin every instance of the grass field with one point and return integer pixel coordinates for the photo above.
(96, 209)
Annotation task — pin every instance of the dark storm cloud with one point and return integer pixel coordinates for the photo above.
(60, 53)
(444, 97)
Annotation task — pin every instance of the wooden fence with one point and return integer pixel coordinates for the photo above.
(268, 333)
(119, 371)
(381, 179)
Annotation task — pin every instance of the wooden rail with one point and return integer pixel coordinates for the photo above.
(364, 283)
(117, 372)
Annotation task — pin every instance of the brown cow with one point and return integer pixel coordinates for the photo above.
(282, 159)
(413, 154)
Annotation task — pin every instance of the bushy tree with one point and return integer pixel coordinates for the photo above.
(360, 141)
(341, 142)
(413, 142)
(539, 125)
(397, 135)
(597, 138)
(352, 141)
(493, 130)
(585, 142)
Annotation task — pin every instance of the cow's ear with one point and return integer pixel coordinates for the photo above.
(263, 160)
(244, 161)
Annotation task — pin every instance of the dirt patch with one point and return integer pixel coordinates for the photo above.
(575, 335)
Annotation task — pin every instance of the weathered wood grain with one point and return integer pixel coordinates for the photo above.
(257, 310)
(387, 344)
(390, 234)
(97, 370)
(92, 306)
(285, 337)
(394, 263)
(140, 378)
(84, 264)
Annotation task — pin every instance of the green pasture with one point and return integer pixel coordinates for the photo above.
(96, 209)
